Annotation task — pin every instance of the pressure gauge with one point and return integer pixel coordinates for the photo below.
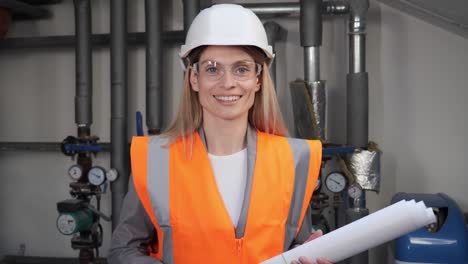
(112, 175)
(66, 224)
(96, 176)
(74, 222)
(75, 172)
(354, 191)
(335, 182)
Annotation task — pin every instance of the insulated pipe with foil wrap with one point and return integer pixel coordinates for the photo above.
(314, 100)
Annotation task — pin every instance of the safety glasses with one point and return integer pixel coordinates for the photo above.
(213, 71)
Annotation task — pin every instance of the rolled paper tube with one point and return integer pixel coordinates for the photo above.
(370, 231)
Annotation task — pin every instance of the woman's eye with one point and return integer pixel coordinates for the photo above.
(211, 70)
(242, 70)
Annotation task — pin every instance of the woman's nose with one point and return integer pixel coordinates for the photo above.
(228, 80)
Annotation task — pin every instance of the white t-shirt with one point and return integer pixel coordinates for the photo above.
(231, 176)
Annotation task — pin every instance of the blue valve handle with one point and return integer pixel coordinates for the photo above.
(76, 148)
(337, 150)
(139, 124)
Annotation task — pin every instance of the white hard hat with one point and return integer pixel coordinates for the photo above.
(226, 24)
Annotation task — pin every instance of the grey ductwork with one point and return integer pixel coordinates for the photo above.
(153, 20)
(357, 78)
(83, 64)
(119, 92)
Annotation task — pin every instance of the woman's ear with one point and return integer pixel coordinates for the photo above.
(258, 85)
(193, 80)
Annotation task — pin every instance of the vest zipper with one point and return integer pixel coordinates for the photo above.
(239, 249)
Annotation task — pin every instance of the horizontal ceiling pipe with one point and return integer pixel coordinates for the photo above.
(68, 41)
(336, 7)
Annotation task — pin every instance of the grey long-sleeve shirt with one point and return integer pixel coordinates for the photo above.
(133, 233)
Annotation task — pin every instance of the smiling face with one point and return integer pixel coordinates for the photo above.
(231, 96)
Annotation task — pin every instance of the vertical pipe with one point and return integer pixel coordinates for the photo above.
(83, 62)
(311, 37)
(273, 31)
(357, 117)
(191, 9)
(153, 21)
(311, 40)
(119, 142)
(357, 48)
(357, 79)
(312, 64)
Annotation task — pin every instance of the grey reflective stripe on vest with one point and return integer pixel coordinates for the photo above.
(158, 184)
(301, 154)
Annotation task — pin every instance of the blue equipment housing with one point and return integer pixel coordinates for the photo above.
(443, 242)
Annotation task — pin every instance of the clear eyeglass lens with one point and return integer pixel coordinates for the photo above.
(241, 70)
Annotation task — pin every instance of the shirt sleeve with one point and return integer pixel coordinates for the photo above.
(306, 229)
(133, 234)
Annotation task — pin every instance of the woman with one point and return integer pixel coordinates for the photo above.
(222, 184)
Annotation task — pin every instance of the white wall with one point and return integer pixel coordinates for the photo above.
(417, 81)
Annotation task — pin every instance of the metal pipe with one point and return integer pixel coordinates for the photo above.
(357, 79)
(332, 7)
(274, 32)
(119, 92)
(153, 20)
(357, 110)
(136, 38)
(312, 64)
(83, 62)
(273, 9)
(335, 7)
(357, 45)
(191, 10)
(311, 38)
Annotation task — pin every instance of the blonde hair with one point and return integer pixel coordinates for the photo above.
(265, 114)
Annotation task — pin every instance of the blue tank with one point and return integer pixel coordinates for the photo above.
(443, 242)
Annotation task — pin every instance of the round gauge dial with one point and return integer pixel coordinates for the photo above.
(354, 191)
(335, 182)
(66, 224)
(96, 176)
(112, 175)
(75, 172)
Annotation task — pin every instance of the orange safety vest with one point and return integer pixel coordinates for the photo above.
(181, 197)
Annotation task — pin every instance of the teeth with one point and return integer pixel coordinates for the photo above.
(228, 98)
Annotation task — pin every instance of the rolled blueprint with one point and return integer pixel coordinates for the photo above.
(375, 229)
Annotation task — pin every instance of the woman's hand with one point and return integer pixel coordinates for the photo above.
(304, 260)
